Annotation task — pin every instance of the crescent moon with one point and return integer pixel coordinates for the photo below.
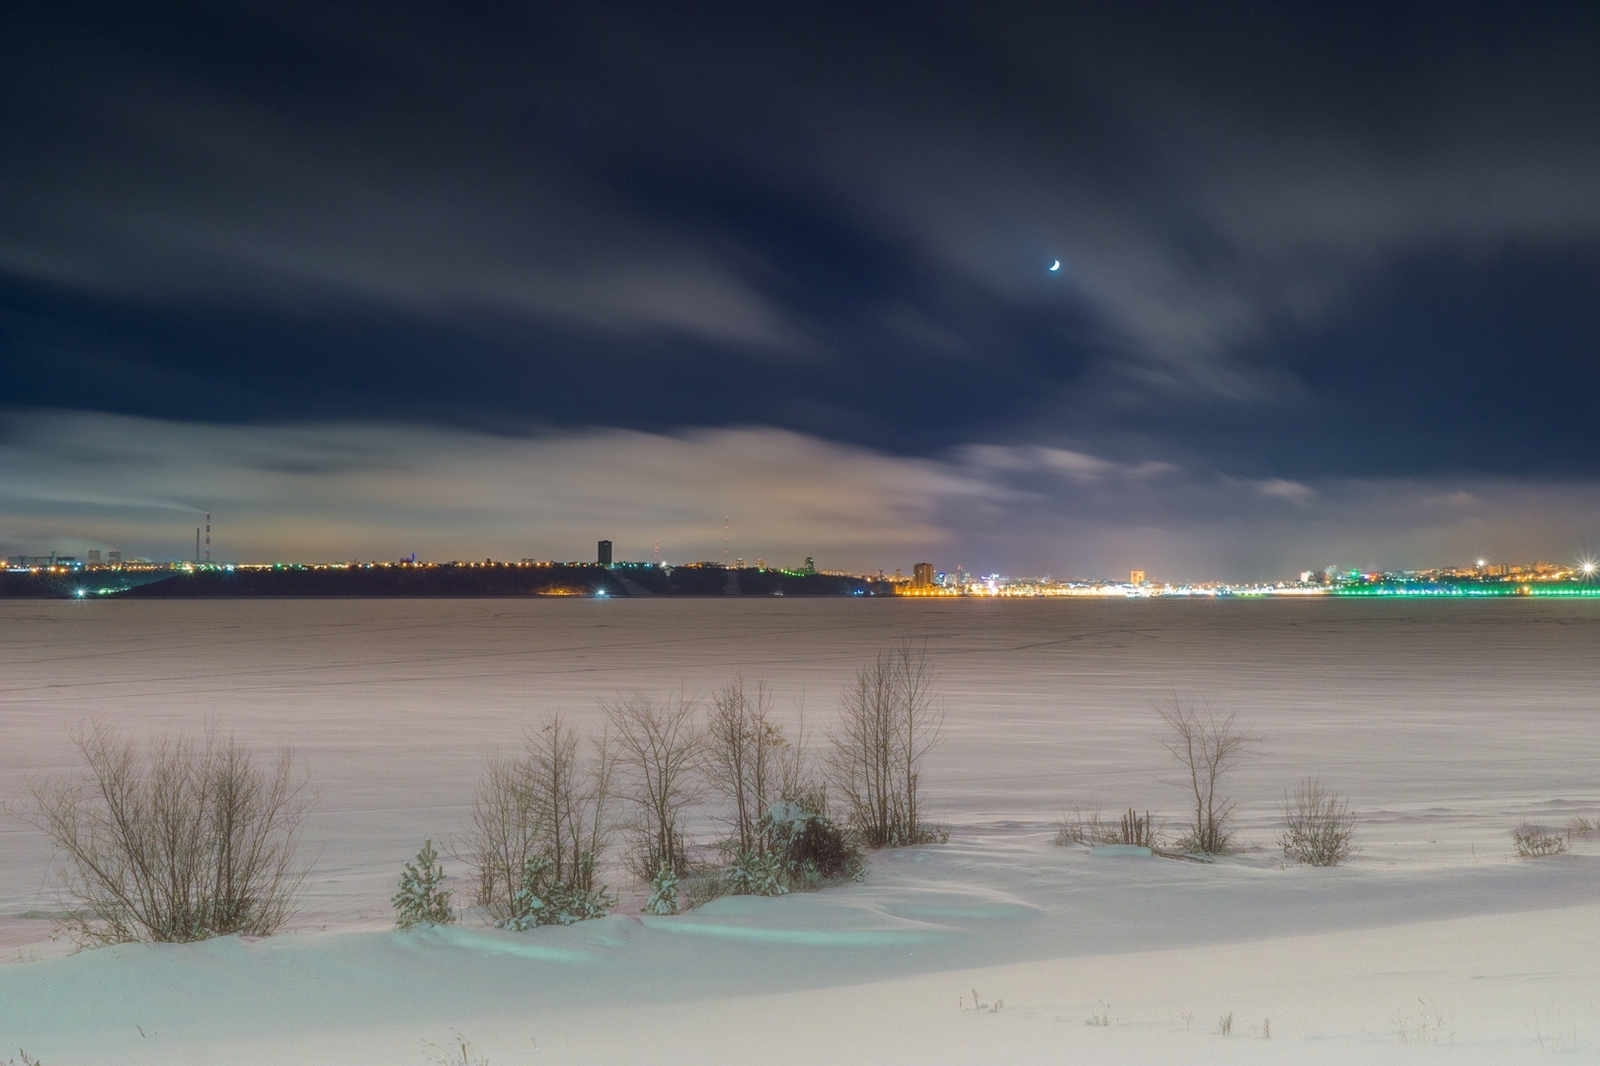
(1056, 265)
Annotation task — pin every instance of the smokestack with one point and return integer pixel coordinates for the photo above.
(208, 536)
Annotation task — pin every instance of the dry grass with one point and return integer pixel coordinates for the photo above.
(1428, 1027)
(458, 1052)
(1535, 841)
(1093, 829)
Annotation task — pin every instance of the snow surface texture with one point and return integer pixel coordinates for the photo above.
(1447, 723)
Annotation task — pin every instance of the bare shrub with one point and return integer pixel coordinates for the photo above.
(808, 848)
(1535, 841)
(888, 722)
(1319, 828)
(700, 887)
(1209, 747)
(548, 806)
(658, 752)
(1583, 827)
(184, 840)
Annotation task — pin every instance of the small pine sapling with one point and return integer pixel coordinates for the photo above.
(541, 901)
(421, 900)
(663, 893)
(528, 906)
(753, 874)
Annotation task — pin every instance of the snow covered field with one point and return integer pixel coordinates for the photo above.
(1447, 723)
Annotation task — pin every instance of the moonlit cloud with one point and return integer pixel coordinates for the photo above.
(1284, 489)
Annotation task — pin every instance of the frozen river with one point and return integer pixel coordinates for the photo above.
(1445, 721)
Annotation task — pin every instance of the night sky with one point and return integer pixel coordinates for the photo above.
(485, 280)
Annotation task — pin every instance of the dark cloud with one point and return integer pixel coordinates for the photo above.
(1297, 246)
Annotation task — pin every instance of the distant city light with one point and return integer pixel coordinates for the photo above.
(1482, 562)
(1588, 566)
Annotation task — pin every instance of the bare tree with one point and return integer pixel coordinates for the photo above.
(747, 758)
(797, 782)
(597, 820)
(658, 754)
(546, 803)
(185, 840)
(889, 720)
(504, 831)
(918, 726)
(569, 800)
(1209, 747)
(861, 762)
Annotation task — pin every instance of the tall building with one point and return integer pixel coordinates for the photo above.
(922, 576)
(1136, 577)
(811, 565)
(605, 553)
